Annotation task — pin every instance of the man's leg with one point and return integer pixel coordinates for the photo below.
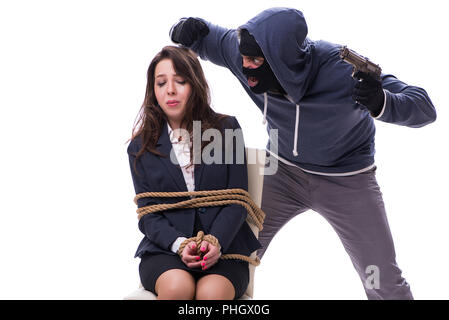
(355, 209)
(285, 195)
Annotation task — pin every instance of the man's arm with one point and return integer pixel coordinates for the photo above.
(211, 42)
(406, 105)
(393, 101)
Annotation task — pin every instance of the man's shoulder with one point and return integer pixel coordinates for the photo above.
(325, 49)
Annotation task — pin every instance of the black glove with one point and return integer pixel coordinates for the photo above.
(187, 31)
(369, 93)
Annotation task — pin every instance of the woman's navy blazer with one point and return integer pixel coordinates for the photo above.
(159, 174)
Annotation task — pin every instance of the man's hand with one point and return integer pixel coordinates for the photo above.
(211, 254)
(190, 257)
(369, 93)
(187, 31)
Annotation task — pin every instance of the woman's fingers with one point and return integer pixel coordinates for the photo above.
(204, 247)
(211, 257)
(189, 256)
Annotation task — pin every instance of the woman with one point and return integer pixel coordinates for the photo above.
(177, 94)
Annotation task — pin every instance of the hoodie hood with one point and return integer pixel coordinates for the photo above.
(281, 33)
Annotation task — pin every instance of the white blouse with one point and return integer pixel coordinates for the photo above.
(181, 147)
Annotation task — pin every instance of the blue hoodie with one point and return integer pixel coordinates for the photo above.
(320, 128)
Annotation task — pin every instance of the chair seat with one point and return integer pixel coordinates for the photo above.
(142, 294)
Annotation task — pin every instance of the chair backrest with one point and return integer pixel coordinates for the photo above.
(255, 162)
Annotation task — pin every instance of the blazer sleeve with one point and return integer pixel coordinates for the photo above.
(155, 226)
(230, 219)
(406, 105)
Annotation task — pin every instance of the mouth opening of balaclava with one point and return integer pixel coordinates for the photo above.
(261, 79)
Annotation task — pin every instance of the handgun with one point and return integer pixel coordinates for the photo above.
(360, 63)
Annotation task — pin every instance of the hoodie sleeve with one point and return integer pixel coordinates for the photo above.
(220, 47)
(231, 218)
(406, 105)
(155, 226)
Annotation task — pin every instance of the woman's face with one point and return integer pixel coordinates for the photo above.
(172, 92)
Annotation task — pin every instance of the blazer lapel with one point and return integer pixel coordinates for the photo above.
(164, 146)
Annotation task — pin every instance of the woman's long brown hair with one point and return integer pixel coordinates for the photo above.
(151, 118)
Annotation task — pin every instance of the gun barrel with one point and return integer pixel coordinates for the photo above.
(359, 62)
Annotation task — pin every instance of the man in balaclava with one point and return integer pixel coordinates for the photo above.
(325, 122)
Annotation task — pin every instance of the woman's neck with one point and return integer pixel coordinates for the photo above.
(175, 125)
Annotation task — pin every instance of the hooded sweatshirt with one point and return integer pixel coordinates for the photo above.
(320, 128)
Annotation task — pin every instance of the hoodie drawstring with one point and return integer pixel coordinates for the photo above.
(295, 140)
(265, 107)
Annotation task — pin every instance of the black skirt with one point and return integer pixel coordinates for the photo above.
(153, 265)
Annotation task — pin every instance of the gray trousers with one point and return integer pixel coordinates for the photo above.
(354, 207)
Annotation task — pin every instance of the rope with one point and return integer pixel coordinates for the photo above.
(210, 198)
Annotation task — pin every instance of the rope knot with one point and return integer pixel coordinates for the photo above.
(198, 239)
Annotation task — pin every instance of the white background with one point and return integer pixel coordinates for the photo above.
(72, 79)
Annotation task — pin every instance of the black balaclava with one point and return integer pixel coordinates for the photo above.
(267, 80)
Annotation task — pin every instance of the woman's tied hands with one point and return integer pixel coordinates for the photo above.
(190, 257)
(208, 256)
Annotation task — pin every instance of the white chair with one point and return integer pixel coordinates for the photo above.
(256, 163)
